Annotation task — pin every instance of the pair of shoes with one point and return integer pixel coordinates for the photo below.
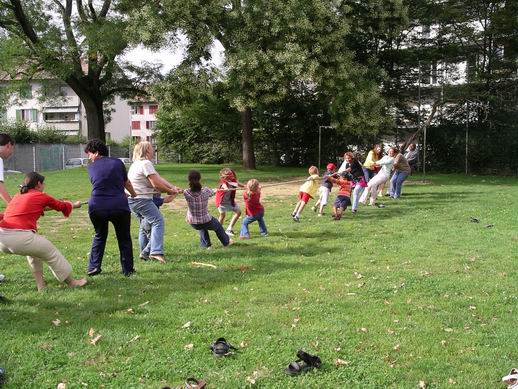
(157, 257)
(144, 257)
(221, 348)
(264, 234)
(94, 271)
(296, 218)
(293, 214)
(354, 210)
(388, 195)
(229, 232)
(304, 363)
(313, 208)
(511, 380)
(128, 273)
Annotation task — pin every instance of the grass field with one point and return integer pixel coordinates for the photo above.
(409, 293)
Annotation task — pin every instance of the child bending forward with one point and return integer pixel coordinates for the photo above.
(324, 190)
(307, 191)
(343, 199)
(254, 209)
(198, 214)
(226, 198)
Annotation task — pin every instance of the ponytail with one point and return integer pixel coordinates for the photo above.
(30, 181)
(194, 178)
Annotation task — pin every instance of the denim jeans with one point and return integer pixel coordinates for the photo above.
(250, 219)
(121, 221)
(396, 182)
(146, 211)
(213, 225)
(368, 174)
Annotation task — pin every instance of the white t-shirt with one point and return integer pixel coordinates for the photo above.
(138, 173)
(1, 170)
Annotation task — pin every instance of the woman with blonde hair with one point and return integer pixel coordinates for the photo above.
(146, 181)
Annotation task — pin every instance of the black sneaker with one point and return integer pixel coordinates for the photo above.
(296, 218)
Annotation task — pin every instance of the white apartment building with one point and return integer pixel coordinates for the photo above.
(66, 113)
(143, 119)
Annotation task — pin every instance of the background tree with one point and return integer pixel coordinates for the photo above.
(78, 43)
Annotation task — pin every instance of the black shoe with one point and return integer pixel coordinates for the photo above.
(94, 271)
(128, 273)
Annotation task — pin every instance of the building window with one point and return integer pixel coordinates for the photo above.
(150, 124)
(137, 110)
(28, 115)
(153, 109)
(135, 125)
(26, 92)
(60, 117)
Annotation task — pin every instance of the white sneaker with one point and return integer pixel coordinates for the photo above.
(2, 277)
(511, 380)
(229, 232)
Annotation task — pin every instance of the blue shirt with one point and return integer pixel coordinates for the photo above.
(108, 176)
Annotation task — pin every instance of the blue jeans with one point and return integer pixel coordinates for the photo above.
(368, 173)
(244, 233)
(213, 225)
(396, 182)
(149, 216)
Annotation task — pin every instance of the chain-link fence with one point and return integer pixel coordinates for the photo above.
(44, 157)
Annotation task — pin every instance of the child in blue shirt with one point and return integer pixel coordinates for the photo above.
(324, 190)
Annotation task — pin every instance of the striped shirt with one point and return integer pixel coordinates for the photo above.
(198, 212)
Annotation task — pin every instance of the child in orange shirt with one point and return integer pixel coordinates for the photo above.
(343, 199)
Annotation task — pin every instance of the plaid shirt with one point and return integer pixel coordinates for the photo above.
(198, 202)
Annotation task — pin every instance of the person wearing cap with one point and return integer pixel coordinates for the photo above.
(324, 190)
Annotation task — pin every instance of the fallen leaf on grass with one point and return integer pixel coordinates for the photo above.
(421, 385)
(448, 329)
(341, 362)
(61, 385)
(337, 349)
(397, 347)
(91, 332)
(364, 330)
(187, 325)
(136, 337)
(95, 340)
(130, 311)
(243, 344)
(56, 322)
(200, 264)
(189, 346)
(143, 304)
(443, 343)
(472, 307)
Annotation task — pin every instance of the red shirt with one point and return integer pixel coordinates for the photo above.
(24, 210)
(253, 204)
(345, 187)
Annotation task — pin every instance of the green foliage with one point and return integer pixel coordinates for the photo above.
(22, 133)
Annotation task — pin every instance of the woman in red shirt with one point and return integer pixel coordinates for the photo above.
(18, 228)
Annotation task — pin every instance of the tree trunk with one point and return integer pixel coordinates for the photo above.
(247, 138)
(94, 117)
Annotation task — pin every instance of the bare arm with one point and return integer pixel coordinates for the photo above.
(3, 193)
(129, 187)
(161, 185)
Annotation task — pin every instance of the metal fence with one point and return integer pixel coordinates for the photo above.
(45, 157)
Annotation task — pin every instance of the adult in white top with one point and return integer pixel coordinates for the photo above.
(385, 164)
(146, 181)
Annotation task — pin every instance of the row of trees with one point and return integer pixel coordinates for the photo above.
(366, 68)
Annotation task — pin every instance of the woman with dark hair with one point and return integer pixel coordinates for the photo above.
(108, 204)
(198, 215)
(18, 228)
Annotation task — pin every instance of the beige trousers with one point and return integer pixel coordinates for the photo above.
(37, 249)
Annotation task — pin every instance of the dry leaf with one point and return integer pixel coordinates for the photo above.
(337, 349)
(421, 385)
(397, 347)
(146, 303)
(130, 311)
(56, 322)
(443, 343)
(189, 346)
(235, 288)
(390, 331)
(243, 344)
(187, 325)
(472, 307)
(199, 264)
(137, 337)
(94, 341)
(91, 332)
(296, 320)
(364, 330)
(448, 329)
(341, 362)
(61, 385)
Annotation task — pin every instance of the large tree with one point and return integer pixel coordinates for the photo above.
(80, 43)
(270, 47)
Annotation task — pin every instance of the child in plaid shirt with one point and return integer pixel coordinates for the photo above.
(198, 214)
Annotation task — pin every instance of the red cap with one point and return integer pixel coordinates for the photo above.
(331, 166)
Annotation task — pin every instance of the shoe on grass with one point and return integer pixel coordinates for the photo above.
(296, 218)
(229, 232)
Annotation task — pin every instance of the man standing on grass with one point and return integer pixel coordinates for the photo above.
(6, 150)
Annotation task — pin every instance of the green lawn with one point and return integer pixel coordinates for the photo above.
(413, 292)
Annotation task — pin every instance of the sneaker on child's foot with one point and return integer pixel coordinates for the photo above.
(313, 208)
(354, 210)
(320, 214)
(229, 232)
(296, 218)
